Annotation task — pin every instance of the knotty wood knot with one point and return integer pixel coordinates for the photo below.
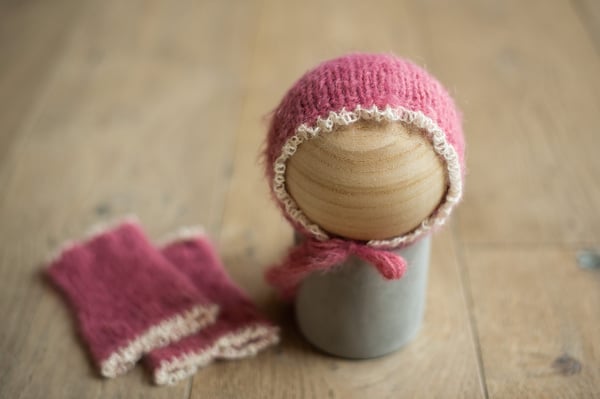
(567, 365)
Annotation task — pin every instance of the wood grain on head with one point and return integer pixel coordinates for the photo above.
(368, 180)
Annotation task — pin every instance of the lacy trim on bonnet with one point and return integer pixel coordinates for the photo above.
(433, 132)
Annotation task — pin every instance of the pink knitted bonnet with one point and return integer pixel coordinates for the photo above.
(377, 87)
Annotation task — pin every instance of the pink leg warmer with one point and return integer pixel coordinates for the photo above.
(127, 298)
(240, 330)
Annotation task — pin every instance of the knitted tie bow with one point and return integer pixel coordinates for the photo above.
(312, 255)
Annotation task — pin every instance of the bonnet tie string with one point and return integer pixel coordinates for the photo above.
(313, 255)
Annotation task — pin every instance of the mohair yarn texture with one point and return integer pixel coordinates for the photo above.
(127, 298)
(337, 93)
(314, 255)
(239, 331)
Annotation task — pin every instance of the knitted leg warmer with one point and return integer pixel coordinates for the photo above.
(127, 298)
(240, 330)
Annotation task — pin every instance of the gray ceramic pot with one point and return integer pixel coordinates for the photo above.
(353, 312)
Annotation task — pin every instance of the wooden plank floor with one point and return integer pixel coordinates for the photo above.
(155, 108)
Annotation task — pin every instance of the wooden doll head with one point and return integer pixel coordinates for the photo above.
(368, 180)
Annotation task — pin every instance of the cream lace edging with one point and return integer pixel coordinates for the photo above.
(90, 234)
(344, 118)
(167, 331)
(182, 234)
(247, 341)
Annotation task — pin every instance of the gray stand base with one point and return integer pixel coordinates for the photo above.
(353, 312)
